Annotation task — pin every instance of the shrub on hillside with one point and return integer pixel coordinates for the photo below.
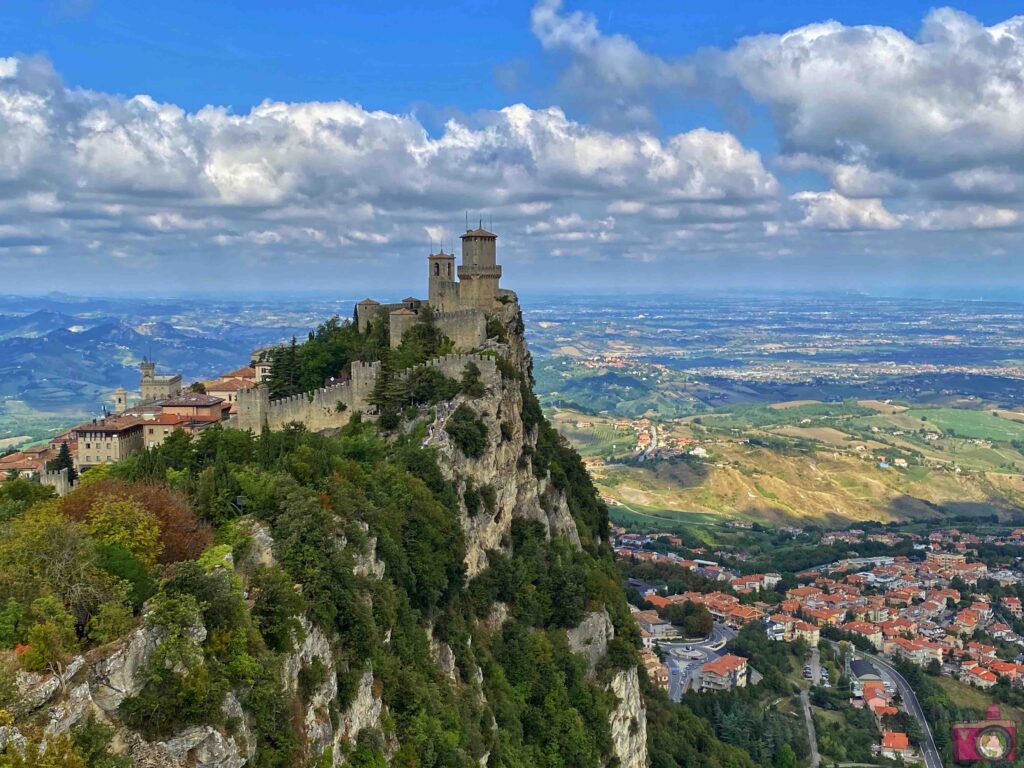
(467, 431)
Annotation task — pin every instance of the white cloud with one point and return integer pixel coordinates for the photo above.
(830, 210)
(835, 212)
(951, 99)
(611, 72)
(144, 178)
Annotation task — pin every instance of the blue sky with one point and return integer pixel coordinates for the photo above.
(391, 121)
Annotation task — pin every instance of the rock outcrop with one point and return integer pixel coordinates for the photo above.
(629, 721)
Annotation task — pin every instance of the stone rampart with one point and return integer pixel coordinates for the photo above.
(331, 407)
(58, 480)
(467, 328)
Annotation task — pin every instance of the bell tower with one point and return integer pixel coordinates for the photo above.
(443, 292)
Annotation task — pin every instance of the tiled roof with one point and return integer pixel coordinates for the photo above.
(193, 399)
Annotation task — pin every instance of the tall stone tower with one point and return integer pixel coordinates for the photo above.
(443, 292)
(479, 273)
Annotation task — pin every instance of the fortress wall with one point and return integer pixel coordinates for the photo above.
(57, 480)
(398, 325)
(318, 409)
(453, 366)
(368, 313)
(466, 328)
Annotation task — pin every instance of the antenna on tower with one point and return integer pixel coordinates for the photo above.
(467, 221)
(490, 222)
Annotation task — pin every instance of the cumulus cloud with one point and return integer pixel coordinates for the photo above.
(138, 176)
(835, 212)
(873, 100)
(611, 72)
(922, 132)
(830, 210)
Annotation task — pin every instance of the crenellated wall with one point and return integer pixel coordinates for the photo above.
(320, 409)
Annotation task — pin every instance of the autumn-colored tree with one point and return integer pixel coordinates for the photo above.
(127, 523)
(182, 535)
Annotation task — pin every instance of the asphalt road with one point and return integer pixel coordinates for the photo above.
(815, 666)
(682, 670)
(912, 705)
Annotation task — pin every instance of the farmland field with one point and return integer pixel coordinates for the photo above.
(980, 425)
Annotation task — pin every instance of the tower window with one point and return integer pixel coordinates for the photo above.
(437, 269)
(449, 269)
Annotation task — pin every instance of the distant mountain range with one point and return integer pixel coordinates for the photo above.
(61, 354)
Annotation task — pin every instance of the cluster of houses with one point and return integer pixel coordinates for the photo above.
(914, 615)
(634, 546)
(871, 692)
(146, 420)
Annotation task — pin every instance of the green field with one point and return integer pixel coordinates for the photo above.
(979, 425)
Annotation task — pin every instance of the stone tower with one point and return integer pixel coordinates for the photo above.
(479, 273)
(443, 293)
(156, 387)
(120, 400)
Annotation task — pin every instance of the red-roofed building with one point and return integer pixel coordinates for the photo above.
(895, 745)
(724, 673)
(869, 631)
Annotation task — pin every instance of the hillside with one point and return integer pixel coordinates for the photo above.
(432, 587)
(806, 462)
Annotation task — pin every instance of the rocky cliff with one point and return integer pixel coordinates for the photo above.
(346, 682)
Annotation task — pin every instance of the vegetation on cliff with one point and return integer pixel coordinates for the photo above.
(169, 542)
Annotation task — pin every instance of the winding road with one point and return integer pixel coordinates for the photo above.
(888, 672)
(913, 706)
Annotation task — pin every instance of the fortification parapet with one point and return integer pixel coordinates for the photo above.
(57, 479)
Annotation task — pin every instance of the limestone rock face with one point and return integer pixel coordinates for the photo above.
(34, 689)
(72, 711)
(363, 713)
(505, 465)
(204, 747)
(120, 675)
(591, 636)
(629, 721)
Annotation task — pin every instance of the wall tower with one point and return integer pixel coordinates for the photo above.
(443, 293)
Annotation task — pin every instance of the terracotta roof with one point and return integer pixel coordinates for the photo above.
(368, 302)
(231, 385)
(478, 233)
(725, 665)
(895, 740)
(110, 424)
(246, 372)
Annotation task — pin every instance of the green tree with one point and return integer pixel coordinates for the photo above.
(276, 608)
(51, 636)
(64, 460)
(125, 523)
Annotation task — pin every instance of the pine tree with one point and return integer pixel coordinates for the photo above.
(64, 461)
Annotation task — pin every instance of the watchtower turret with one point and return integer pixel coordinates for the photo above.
(479, 274)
